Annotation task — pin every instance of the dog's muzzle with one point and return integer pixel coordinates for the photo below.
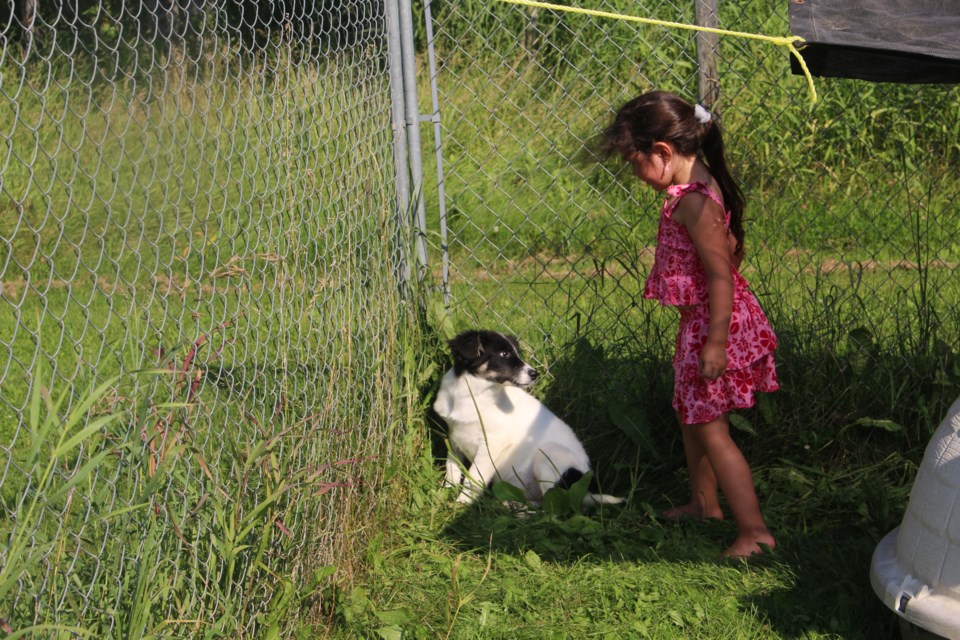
(526, 377)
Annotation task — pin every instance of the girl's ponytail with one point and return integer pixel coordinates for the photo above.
(713, 154)
(691, 129)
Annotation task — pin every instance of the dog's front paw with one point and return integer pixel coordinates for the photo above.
(466, 497)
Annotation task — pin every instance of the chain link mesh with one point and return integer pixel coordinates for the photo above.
(204, 190)
(850, 222)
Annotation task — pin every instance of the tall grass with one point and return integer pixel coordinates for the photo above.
(162, 536)
(219, 223)
(209, 498)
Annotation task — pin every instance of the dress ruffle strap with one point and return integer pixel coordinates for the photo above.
(681, 189)
(676, 191)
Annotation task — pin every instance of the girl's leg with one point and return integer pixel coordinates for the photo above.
(736, 481)
(703, 482)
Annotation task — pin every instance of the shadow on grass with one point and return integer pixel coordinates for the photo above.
(831, 591)
(815, 583)
(830, 486)
(606, 534)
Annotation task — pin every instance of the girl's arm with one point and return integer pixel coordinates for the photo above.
(703, 220)
(735, 258)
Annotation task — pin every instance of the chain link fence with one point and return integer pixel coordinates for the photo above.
(199, 212)
(198, 209)
(851, 218)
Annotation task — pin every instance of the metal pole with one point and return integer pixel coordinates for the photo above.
(415, 159)
(397, 110)
(438, 150)
(708, 83)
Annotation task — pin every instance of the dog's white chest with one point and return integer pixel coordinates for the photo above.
(474, 410)
(467, 439)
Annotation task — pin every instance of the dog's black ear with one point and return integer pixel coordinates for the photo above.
(466, 349)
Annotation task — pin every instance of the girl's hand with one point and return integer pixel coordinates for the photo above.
(713, 361)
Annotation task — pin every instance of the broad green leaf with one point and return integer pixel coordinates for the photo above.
(767, 404)
(396, 617)
(631, 421)
(579, 491)
(741, 424)
(392, 632)
(556, 502)
(504, 491)
(885, 425)
(533, 560)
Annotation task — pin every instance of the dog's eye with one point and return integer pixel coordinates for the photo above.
(504, 354)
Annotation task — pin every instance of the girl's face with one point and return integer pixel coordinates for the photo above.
(653, 168)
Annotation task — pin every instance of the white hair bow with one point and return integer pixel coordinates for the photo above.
(701, 114)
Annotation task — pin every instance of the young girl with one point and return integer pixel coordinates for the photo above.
(725, 344)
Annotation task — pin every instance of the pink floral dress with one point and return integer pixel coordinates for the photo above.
(679, 279)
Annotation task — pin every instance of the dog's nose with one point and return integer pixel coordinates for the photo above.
(532, 373)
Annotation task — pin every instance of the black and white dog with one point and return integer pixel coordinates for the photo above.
(498, 431)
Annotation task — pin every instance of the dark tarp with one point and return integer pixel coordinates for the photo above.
(915, 41)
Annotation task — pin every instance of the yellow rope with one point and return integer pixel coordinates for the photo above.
(788, 42)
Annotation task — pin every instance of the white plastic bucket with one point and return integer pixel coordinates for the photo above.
(916, 567)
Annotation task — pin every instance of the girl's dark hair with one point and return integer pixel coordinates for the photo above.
(660, 116)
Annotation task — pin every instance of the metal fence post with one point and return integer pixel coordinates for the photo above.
(412, 120)
(399, 127)
(708, 82)
(438, 151)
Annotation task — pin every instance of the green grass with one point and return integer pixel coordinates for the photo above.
(210, 232)
(206, 498)
(238, 229)
(448, 571)
(850, 251)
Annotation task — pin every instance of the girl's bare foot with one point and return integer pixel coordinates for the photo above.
(692, 510)
(749, 544)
